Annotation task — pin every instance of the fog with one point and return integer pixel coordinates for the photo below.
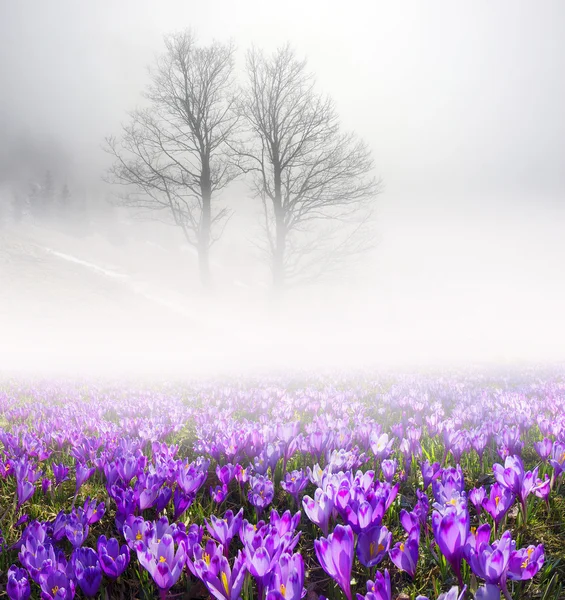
(461, 105)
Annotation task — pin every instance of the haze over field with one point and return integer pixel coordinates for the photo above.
(461, 105)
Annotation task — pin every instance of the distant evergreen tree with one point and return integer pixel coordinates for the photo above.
(19, 206)
(41, 197)
(64, 208)
(35, 200)
(65, 198)
(47, 194)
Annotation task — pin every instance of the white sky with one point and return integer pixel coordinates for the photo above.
(461, 102)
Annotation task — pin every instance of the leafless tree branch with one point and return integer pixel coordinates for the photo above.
(305, 170)
(175, 155)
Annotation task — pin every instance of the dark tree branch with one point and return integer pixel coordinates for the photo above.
(175, 155)
(304, 169)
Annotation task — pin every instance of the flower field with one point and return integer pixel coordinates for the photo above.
(369, 487)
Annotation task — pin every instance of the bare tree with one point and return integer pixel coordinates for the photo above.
(173, 153)
(315, 182)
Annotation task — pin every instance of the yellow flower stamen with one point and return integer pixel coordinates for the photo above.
(225, 582)
(138, 536)
(206, 558)
(372, 548)
(496, 501)
(402, 547)
(162, 559)
(54, 590)
(529, 552)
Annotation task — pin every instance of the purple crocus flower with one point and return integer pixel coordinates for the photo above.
(57, 586)
(263, 551)
(190, 477)
(430, 472)
(489, 562)
(113, 559)
(137, 531)
(285, 523)
(181, 502)
(129, 467)
(511, 475)
(409, 521)
(405, 554)
(478, 536)
(526, 562)
(476, 496)
(223, 582)
(286, 581)
(21, 520)
(61, 473)
(528, 486)
(557, 460)
(83, 473)
(388, 468)
(319, 509)
(147, 488)
(126, 504)
(224, 530)
(45, 485)
(87, 570)
(362, 510)
(91, 512)
(488, 592)
(542, 489)
(449, 484)
(196, 554)
(261, 493)
(380, 589)
(381, 446)
(40, 558)
(499, 500)
(543, 448)
(164, 565)
(422, 508)
(163, 498)
(193, 539)
(294, 483)
(373, 545)
(34, 534)
(335, 554)
(25, 490)
(219, 493)
(18, 587)
(454, 594)
(76, 530)
(450, 532)
(225, 473)
(242, 474)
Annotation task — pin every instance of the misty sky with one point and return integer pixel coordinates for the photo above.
(461, 102)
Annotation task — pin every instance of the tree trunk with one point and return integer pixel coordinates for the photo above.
(278, 255)
(205, 226)
(280, 236)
